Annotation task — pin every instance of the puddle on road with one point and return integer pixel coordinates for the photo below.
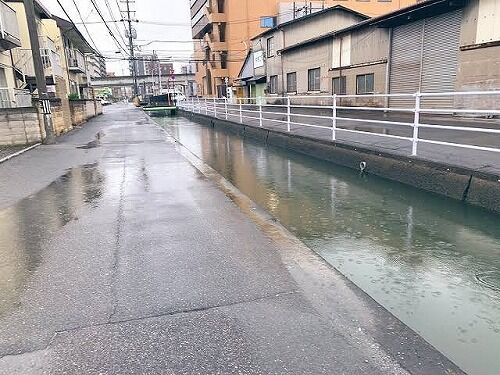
(431, 261)
(25, 226)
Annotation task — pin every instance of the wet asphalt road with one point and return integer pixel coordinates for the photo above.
(118, 256)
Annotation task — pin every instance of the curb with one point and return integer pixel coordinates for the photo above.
(19, 152)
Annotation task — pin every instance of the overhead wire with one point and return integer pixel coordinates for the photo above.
(111, 13)
(83, 22)
(107, 26)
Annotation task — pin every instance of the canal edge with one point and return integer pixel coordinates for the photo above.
(471, 187)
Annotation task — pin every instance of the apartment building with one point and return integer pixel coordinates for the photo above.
(96, 65)
(64, 54)
(222, 30)
(72, 48)
(9, 39)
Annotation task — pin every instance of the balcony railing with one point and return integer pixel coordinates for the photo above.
(23, 60)
(14, 98)
(76, 60)
(214, 16)
(9, 29)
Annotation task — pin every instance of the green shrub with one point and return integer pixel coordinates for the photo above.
(73, 96)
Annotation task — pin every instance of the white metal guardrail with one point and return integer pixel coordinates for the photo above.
(328, 111)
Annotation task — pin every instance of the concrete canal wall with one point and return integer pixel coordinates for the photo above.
(473, 187)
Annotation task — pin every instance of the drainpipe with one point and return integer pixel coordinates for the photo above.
(281, 63)
(388, 70)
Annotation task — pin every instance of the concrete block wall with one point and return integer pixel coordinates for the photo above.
(61, 116)
(19, 126)
(84, 109)
(89, 109)
(78, 112)
(98, 107)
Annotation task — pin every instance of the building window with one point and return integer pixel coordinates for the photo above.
(223, 60)
(291, 82)
(222, 32)
(221, 4)
(314, 79)
(364, 84)
(339, 85)
(270, 47)
(267, 22)
(273, 84)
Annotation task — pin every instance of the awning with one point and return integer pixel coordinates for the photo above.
(255, 79)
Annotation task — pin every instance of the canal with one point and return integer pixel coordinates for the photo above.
(431, 261)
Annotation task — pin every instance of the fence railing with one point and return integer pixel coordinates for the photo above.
(8, 23)
(23, 59)
(14, 98)
(330, 114)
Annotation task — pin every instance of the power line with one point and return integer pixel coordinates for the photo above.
(120, 11)
(84, 25)
(107, 26)
(111, 13)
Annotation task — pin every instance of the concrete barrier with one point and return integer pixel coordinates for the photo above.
(476, 188)
(19, 126)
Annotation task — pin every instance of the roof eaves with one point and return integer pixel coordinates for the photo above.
(380, 21)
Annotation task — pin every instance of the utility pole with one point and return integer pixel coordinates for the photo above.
(39, 72)
(159, 75)
(131, 46)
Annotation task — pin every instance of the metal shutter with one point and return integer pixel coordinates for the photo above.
(440, 57)
(405, 63)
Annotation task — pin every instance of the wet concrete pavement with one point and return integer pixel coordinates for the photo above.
(118, 256)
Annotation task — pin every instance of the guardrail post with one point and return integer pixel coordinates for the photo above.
(288, 113)
(215, 107)
(334, 117)
(225, 107)
(416, 121)
(260, 112)
(241, 114)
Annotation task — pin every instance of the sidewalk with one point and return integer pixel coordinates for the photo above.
(121, 257)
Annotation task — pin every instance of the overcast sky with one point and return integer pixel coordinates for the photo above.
(165, 20)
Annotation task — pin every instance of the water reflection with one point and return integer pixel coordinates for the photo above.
(415, 253)
(25, 226)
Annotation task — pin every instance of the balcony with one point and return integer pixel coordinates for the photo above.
(76, 61)
(220, 73)
(218, 46)
(23, 60)
(201, 27)
(14, 98)
(9, 29)
(214, 16)
(212, 42)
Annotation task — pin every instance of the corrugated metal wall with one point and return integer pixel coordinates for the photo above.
(440, 57)
(405, 62)
(425, 58)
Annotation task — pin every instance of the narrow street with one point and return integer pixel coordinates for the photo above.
(119, 256)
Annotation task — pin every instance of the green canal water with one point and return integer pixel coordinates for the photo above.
(432, 262)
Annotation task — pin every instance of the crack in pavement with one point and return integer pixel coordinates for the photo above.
(118, 236)
(153, 316)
